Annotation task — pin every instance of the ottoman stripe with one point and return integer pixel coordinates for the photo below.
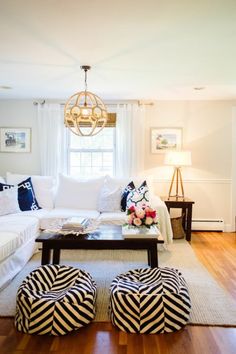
(174, 304)
(126, 320)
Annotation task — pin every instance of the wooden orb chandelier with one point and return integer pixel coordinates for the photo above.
(85, 114)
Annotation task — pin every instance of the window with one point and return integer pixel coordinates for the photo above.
(93, 155)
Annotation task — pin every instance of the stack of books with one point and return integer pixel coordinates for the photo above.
(76, 223)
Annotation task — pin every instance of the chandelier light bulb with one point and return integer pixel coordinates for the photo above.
(85, 112)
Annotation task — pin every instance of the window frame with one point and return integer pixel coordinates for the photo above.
(69, 150)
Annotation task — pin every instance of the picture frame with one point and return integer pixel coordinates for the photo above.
(165, 139)
(15, 140)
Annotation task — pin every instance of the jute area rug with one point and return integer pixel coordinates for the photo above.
(211, 304)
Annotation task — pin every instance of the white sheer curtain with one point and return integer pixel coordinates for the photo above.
(130, 140)
(52, 139)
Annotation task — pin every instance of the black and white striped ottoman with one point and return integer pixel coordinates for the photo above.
(149, 300)
(55, 300)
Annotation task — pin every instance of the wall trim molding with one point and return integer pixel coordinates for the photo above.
(197, 180)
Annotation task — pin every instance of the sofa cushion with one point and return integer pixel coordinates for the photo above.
(137, 180)
(14, 231)
(109, 198)
(8, 244)
(78, 193)
(118, 218)
(38, 214)
(43, 188)
(9, 201)
(26, 195)
(56, 217)
(134, 182)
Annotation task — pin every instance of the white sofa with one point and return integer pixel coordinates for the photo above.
(71, 197)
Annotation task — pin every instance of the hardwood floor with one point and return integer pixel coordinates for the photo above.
(217, 251)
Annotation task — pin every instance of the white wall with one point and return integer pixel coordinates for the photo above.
(207, 132)
(207, 127)
(19, 114)
(233, 174)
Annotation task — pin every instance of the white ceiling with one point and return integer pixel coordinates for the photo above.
(153, 49)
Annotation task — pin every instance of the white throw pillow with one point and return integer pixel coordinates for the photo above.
(78, 193)
(109, 200)
(43, 188)
(114, 182)
(2, 180)
(9, 201)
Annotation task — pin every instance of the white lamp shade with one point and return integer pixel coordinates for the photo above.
(178, 158)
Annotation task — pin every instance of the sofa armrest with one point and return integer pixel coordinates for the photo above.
(163, 217)
(155, 200)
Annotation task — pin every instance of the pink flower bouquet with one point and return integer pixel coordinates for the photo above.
(141, 216)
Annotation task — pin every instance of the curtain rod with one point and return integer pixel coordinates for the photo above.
(109, 103)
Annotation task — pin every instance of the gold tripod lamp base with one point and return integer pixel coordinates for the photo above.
(177, 180)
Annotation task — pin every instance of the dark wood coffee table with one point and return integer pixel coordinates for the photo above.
(106, 237)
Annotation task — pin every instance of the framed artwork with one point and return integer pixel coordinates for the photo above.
(15, 139)
(165, 139)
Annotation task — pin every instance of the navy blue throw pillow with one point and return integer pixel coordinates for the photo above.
(125, 194)
(26, 196)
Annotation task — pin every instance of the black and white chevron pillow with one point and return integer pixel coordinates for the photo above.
(139, 196)
(125, 194)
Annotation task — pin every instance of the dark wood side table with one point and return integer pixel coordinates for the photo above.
(186, 205)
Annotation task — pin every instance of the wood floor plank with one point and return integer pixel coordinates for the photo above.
(217, 251)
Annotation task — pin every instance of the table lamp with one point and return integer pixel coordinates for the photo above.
(177, 159)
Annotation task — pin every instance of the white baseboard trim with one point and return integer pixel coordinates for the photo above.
(208, 224)
(226, 228)
(229, 228)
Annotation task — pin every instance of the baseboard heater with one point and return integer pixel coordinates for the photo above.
(208, 225)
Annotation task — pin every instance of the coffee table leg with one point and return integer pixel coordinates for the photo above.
(56, 256)
(46, 255)
(153, 256)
